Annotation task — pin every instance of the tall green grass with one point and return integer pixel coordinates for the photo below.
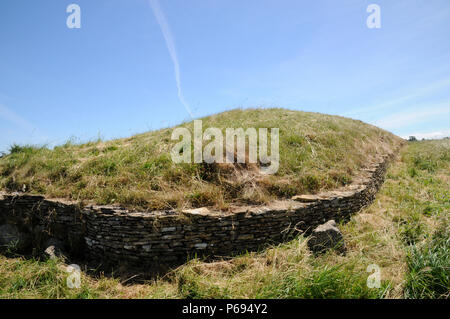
(21, 278)
(425, 230)
(428, 275)
(323, 282)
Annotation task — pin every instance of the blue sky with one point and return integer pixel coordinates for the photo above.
(118, 74)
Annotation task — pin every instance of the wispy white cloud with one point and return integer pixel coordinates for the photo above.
(414, 115)
(170, 43)
(14, 118)
(418, 93)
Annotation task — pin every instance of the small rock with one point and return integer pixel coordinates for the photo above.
(201, 245)
(245, 237)
(327, 236)
(55, 249)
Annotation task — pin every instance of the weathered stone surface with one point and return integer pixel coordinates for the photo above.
(305, 198)
(201, 245)
(12, 238)
(326, 236)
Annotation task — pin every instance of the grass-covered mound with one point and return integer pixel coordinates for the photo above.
(317, 152)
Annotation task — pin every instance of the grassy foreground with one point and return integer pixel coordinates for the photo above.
(317, 152)
(405, 233)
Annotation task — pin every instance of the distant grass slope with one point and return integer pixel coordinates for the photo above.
(426, 231)
(317, 152)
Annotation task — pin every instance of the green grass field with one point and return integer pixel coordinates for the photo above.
(405, 232)
(317, 152)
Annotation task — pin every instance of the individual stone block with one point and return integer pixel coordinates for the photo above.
(54, 249)
(327, 236)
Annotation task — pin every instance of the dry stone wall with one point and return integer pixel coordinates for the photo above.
(115, 235)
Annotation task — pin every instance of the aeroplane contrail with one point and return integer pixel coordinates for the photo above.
(159, 15)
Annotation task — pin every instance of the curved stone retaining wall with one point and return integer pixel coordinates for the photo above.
(115, 235)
